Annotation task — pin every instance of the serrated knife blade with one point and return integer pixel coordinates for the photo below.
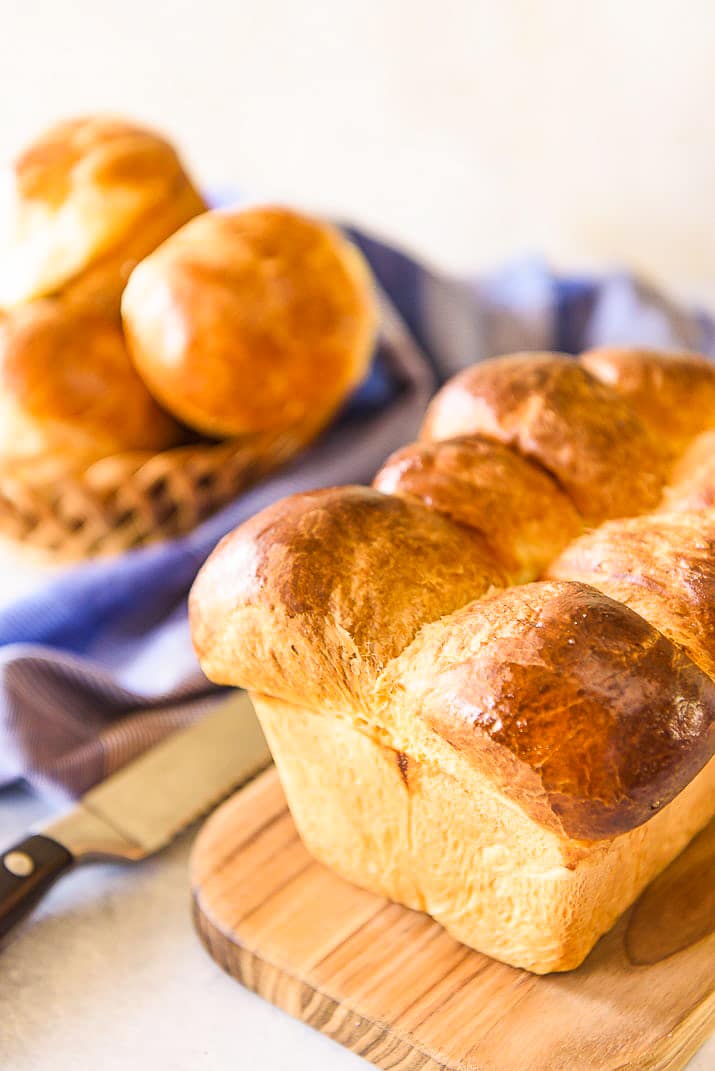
(142, 807)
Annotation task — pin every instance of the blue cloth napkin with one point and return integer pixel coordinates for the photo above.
(99, 665)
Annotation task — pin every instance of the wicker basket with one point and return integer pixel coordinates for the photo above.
(60, 512)
(69, 512)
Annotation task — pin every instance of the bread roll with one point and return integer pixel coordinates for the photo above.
(83, 204)
(252, 321)
(550, 409)
(68, 387)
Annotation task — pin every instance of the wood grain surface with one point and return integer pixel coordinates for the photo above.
(392, 986)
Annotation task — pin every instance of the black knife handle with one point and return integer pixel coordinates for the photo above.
(27, 870)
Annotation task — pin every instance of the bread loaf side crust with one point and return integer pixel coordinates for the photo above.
(577, 708)
(438, 837)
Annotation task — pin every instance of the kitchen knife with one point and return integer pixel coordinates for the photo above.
(142, 807)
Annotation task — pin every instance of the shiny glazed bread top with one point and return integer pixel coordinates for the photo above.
(320, 591)
(250, 321)
(83, 203)
(587, 698)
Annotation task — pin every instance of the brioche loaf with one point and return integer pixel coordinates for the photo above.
(516, 756)
(251, 321)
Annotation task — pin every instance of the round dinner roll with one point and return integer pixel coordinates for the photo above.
(250, 321)
(83, 204)
(68, 386)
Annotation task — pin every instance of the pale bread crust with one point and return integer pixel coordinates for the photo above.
(437, 836)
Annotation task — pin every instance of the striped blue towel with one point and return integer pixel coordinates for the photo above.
(98, 665)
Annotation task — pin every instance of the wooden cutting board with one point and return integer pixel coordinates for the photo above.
(390, 984)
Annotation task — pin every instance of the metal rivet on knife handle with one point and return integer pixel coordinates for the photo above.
(19, 863)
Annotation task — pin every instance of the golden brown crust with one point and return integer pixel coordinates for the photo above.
(251, 321)
(314, 595)
(588, 701)
(68, 386)
(692, 484)
(662, 566)
(521, 512)
(672, 393)
(579, 710)
(550, 409)
(83, 204)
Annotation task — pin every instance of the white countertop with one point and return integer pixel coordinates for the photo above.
(108, 973)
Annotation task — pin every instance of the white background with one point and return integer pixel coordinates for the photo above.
(471, 131)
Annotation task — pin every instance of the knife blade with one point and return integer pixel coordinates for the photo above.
(141, 808)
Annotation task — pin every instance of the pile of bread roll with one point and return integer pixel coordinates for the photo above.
(133, 319)
(488, 681)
